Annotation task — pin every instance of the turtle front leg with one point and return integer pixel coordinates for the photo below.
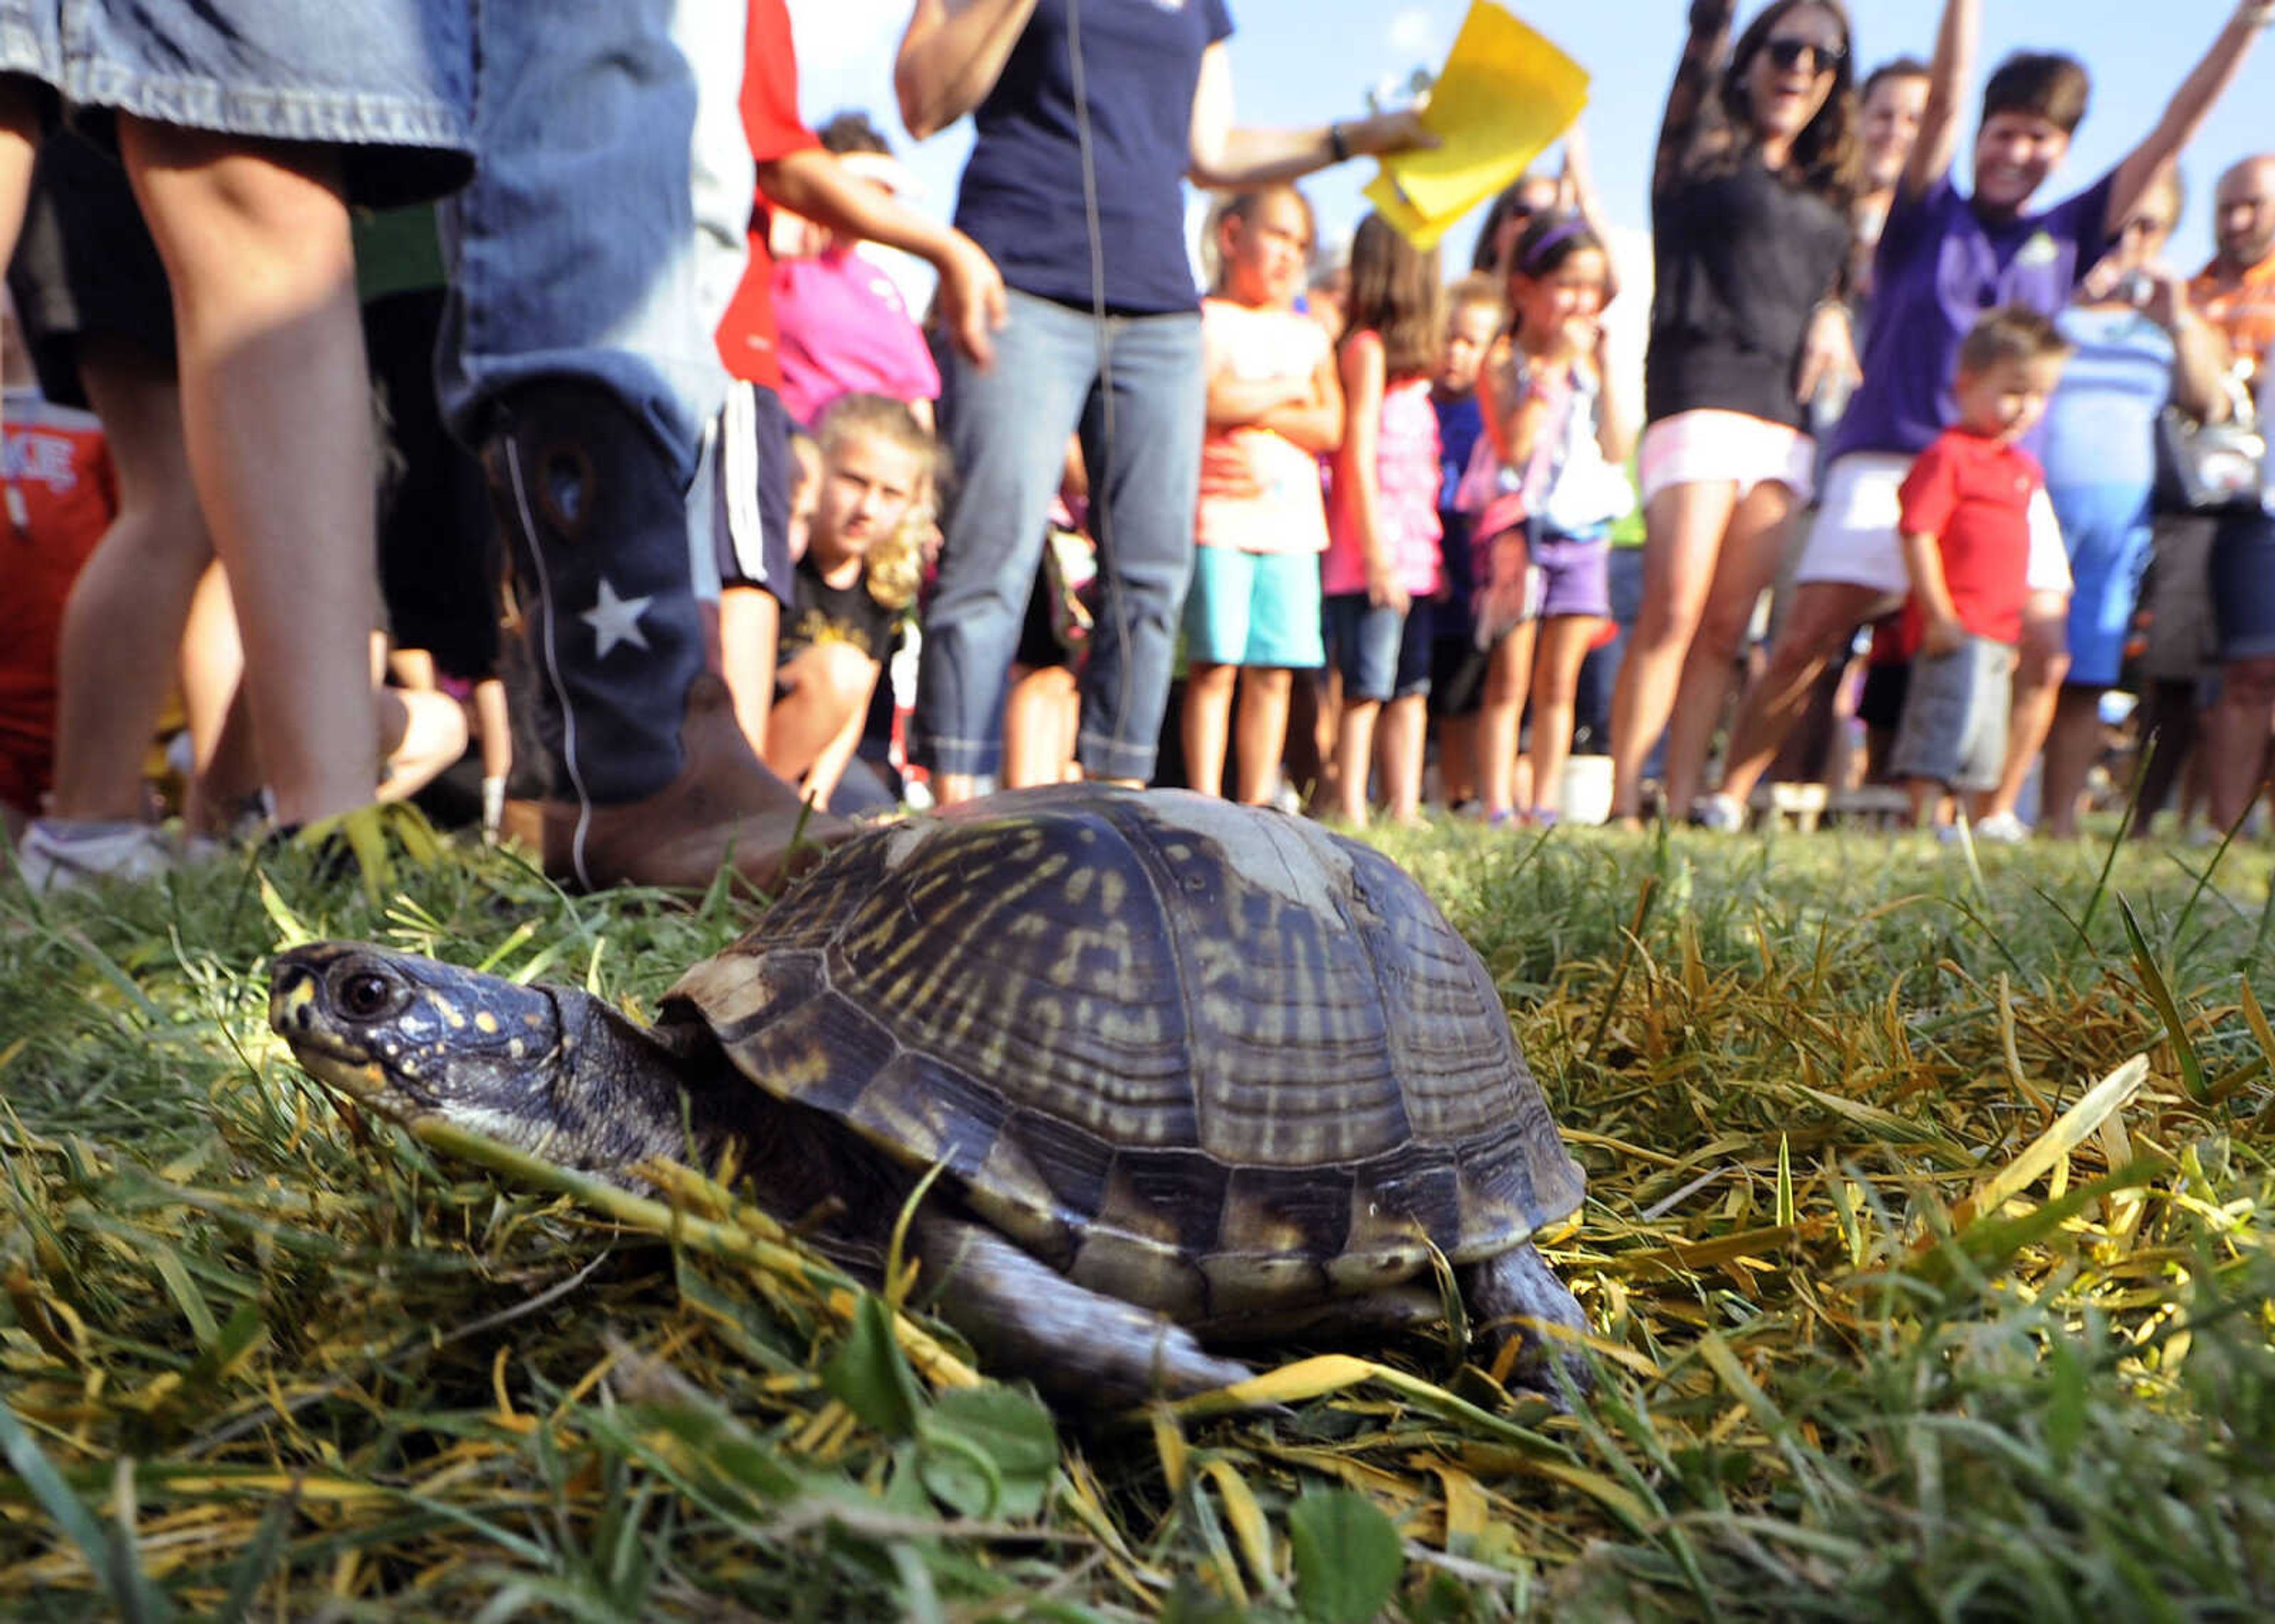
(1078, 1344)
(1518, 1285)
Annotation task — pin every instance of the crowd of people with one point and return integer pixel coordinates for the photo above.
(770, 550)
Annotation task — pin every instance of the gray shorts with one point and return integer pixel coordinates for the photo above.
(391, 81)
(1954, 730)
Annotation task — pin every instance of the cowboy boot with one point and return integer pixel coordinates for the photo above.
(650, 779)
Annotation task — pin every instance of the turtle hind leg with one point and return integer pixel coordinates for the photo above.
(1519, 1295)
(1075, 1343)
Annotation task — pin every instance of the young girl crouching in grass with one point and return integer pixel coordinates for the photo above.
(857, 579)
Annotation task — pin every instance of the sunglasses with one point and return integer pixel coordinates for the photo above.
(1787, 53)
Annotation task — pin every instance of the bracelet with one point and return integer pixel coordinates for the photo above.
(1337, 144)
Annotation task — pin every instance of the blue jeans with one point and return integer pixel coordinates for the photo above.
(1006, 430)
(603, 233)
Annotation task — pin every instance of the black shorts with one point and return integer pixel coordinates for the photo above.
(86, 265)
(750, 528)
(1880, 703)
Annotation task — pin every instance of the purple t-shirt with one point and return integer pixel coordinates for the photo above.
(1939, 267)
(1022, 193)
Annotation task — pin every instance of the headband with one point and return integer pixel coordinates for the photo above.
(1530, 257)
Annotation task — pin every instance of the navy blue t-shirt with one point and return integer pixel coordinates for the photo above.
(1022, 193)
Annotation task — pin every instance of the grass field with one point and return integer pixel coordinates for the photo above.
(1915, 1298)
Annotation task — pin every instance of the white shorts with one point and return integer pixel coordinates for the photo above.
(1694, 447)
(1854, 539)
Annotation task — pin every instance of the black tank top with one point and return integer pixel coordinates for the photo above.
(1743, 259)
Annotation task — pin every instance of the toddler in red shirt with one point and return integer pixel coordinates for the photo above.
(1966, 530)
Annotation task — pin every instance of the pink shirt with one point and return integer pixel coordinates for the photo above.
(1259, 490)
(844, 330)
(1406, 468)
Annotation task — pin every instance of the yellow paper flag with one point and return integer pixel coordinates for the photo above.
(1504, 94)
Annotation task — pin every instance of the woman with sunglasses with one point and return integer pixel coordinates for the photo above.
(1756, 173)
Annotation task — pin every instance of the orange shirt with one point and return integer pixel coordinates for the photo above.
(2245, 312)
(59, 496)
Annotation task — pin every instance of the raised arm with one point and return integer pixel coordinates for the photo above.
(950, 55)
(1226, 156)
(1578, 185)
(1691, 100)
(813, 183)
(2190, 103)
(1948, 76)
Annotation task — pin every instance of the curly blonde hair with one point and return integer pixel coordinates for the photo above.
(894, 567)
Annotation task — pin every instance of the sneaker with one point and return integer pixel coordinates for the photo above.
(1721, 813)
(58, 855)
(1544, 817)
(2001, 829)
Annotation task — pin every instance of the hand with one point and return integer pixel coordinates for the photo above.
(1580, 336)
(2255, 13)
(1828, 355)
(1383, 590)
(1943, 637)
(2167, 303)
(1388, 133)
(971, 299)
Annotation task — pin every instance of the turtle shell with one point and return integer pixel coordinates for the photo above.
(1208, 1059)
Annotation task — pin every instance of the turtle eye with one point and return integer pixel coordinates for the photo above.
(364, 994)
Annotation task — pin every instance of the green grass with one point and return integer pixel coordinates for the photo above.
(265, 1360)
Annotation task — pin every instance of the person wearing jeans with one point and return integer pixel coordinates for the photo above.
(1089, 117)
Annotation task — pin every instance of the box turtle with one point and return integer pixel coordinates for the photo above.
(1197, 1074)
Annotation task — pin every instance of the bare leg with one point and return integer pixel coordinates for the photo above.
(2038, 675)
(1683, 535)
(127, 610)
(1508, 675)
(1354, 756)
(1516, 1294)
(2168, 732)
(1206, 719)
(1823, 613)
(1263, 724)
(1555, 685)
(2238, 741)
(1457, 759)
(1405, 723)
(1753, 543)
(750, 624)
(826, 688)
(1027, 1318)
(277, 417)
(1040, 720)
(20, 142)
(2072, 745)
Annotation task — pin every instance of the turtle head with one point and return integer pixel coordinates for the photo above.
(411, 1037)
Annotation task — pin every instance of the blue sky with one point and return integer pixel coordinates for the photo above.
(1306, 61)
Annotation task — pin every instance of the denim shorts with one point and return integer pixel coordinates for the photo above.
(2243, 585)
(1254, 609)
(391, 81)
(1381, 654)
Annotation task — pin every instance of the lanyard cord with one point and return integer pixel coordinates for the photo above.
(1100, 523)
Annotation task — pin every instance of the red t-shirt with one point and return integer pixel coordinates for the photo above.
(1973, 495)
(746, 333)
(59, 497)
